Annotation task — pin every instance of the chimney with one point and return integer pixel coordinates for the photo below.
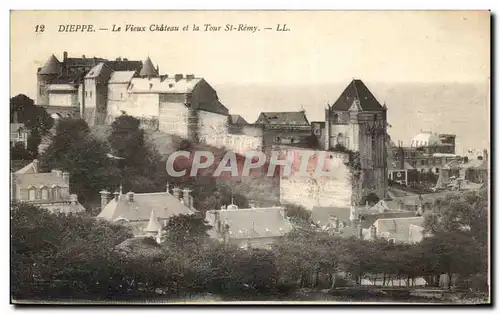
(186, 197)
(119, 59)
(177, 193)
(35, 165)
(83, 57)
(65, 176)
(116, 195)
(373, 232)
(178, 77)
(65, 56)
(157, 69)
(74, 199)
(360, 230)
(485, 155)
(189, 77)
(130, 196)
(104, 198)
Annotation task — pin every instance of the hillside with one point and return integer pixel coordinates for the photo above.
(258, 189)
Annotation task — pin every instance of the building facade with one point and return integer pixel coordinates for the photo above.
(50, 190)
(357, 122)
(145, 213)
(100, 90)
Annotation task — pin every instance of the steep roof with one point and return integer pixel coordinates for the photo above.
(283, 118)
(357, 90)
(26, 180)
(51, 66)
(153, 225)
(253, 222)
(139, 209)
(95, 71)
(148, 68)
(237, 119)
(121, 77)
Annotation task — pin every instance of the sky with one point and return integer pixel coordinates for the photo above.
(321, 47)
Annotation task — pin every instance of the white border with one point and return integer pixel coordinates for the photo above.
(199, 5)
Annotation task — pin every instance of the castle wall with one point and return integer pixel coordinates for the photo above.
(63, 99)
(310, 191)
(212, 128)
(245, 138)
(137, 105)
(173, 115)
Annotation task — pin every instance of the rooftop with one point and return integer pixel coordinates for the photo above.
(357, 90)
(139, 208)
(251, 223)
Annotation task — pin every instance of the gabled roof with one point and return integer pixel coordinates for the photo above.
(357, 90)
(164, 204)
(95, 71)
(121, 77)
(252, 223)
(51, 66)
(283, 118)
(148, 68)
(237, 119)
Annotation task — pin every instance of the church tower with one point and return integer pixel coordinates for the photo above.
(358, 122)
(50, 70)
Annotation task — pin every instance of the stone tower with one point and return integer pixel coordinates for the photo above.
(358, 122)
(50, 70)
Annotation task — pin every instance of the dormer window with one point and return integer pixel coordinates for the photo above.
(56, 192)
(45, 193)
(32, 193)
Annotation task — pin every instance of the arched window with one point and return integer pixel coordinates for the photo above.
(32, 193)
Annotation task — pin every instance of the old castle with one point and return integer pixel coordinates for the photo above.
(100, 90)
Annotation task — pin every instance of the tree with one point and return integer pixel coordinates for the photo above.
(462, 213)
(371, 198)
(451, 253)
(75, 150)
(61, 255)
(186, 231)
(19, 152)
(35, 118)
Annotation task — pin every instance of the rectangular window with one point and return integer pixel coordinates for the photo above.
(90, 94)
(422, 162)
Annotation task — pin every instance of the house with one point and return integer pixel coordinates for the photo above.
(18, 134)
(284, 129)
(48, 190)
(248, 227)
(355, 221)
(400, 230)
(145, 213)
